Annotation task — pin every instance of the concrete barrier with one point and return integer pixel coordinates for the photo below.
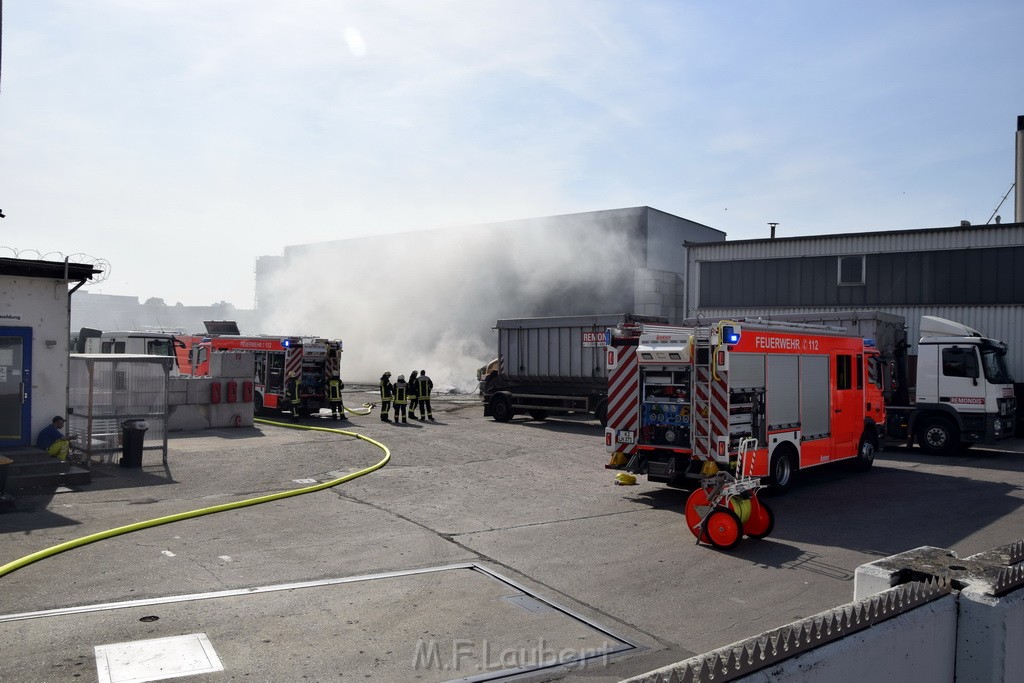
(190, 405)
(922, 615)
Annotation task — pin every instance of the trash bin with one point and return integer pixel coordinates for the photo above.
(132, 434)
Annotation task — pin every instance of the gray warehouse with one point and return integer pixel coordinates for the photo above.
(376, 293)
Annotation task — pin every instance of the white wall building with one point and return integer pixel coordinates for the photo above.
(35, 313)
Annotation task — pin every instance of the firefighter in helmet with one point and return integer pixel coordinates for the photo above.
(425, 386)
(387, 392)
(334, 387)
(401, 398)
(292, 392)
(413, 396)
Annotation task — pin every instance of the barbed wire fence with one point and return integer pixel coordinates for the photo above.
(100, 264)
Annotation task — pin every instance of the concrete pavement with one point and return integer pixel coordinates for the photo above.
(482, 549)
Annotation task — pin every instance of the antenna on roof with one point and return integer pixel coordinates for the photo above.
(1012, 185)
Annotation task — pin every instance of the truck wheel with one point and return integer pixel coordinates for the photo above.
(937, 436)
(782, 470)
(539, 415)
(257, 404)
(865, 453)
(501, 408)
(723, 528)
(601, 413)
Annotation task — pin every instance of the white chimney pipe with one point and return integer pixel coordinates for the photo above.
(1018, 207)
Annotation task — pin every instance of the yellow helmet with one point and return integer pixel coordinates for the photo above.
(625, 479)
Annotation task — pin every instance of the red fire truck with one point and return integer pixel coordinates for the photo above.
(680, 398)
(314, 359)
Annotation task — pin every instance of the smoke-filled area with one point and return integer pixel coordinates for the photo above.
(429, 300)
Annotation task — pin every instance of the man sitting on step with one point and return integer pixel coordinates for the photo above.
(53, 441)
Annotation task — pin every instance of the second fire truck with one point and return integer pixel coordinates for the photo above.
(681, 399)
(314, 360)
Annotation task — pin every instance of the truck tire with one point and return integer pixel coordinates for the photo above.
(257, 404)
(937, 436)
(782, 470)
(601, 413)
(539, 415)
(501, 408)
(865, 453)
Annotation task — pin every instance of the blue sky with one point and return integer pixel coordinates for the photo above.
(179, 140)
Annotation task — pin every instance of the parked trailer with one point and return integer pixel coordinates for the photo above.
(551, 365)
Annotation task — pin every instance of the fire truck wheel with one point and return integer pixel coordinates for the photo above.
(501, 408)
(696, 505)
(257, 404)
(539, 415)
(761, 521)
(723, 528)
(782, 470)
(865, 453)
(601, 413)
(937, 436)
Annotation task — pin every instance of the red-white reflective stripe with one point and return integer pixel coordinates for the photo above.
(623, 412)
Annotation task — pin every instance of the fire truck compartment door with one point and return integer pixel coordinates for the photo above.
(663, 354)
(782, 398)
(815, 394)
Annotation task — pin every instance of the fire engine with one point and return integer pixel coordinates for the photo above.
(314, 359)
(681, 400)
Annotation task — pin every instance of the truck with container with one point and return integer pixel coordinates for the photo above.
(550, 365)
(961, 394)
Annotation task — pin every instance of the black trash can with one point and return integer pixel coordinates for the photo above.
(132, 434)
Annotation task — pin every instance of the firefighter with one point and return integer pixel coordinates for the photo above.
(413, 394)
(401, 398)
(334, 387)
(423, 391)
(387, 391)
(292, 392)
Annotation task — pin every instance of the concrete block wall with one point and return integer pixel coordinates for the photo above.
(190, 405)
(655, 292)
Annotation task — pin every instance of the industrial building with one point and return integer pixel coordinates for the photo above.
(971, 274)
(616, 260)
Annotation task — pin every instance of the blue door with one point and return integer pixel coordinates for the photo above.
(15, 386)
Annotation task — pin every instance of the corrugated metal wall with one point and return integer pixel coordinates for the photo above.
(997, 321)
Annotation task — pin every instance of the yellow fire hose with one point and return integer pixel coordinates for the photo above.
(110, 533)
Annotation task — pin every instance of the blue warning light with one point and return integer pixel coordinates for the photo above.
(730, 335)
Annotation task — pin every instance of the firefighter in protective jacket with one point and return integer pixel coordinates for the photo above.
(334, 387)
(424, 387)
(401, 398)
(387, 392)
(292, 390)
(413, 395)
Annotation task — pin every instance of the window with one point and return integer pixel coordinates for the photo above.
(958, 362)
(860, 371)
(851, 270)
(875, 371)
(844, 372)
